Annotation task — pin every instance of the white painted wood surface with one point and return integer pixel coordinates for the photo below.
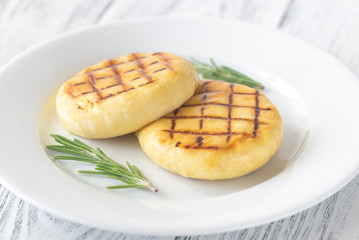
(332, 25)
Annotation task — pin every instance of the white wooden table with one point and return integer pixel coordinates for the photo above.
(332, 25)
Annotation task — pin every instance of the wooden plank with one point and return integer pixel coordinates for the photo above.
(330, 25)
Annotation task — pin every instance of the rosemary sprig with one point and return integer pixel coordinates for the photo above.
(77, 150)
(213, 71)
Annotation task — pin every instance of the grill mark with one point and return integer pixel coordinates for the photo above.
(173, 125)
(112, 65)
(135, 79)
(114, 85)
(125, 90)
(214, 117)
(153, 63)
(98, 69)
(115, 71)
(159, 70)
(204, 147)
(130, 70)
(198, 144)
(70, 90)
(105, 77)
(78, 84)
(242, 93)
(257, 112)
(199, 141)
(201, 121)
(115, 64)
(205, 91)
(144, 84)
(205, 133)
(92, 84)
(140, 65)
(224, 104)
(166, 60)
(230, 101)
(84, 93)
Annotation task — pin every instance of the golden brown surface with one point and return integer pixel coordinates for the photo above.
(223, 131)
(121, 95)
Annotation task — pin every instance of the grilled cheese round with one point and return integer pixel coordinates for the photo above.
(121, 95)
(224, 131)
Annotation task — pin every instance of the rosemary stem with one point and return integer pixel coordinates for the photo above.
(77, 150)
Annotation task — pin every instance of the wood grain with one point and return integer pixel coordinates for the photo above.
(330, 25)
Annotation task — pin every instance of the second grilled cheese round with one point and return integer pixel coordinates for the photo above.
(223, 131)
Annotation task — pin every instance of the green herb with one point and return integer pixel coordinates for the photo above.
(76, 150)
(213, 71)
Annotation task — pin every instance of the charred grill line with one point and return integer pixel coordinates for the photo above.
(111, 95)
(225, 104)
(206, 133)
(166, 60)
(144, 84)
(135, 79)
(78, 84)
(92, 84)
(84, 93)
(202, 112)
(201, 147)
(242, 93)
(202, 115)
(230, 101)
(113, 85)
(199, 141)
(173, 124)
(213, 117)
(153, 63)
(105, 77)
(159, 70)
(257, 112)
(205, 83)
(125, 90)
(239, 93)
(116, 74)
(130, 70)
(115, 71)
(70, 90)
(140, 65)
(114, 64)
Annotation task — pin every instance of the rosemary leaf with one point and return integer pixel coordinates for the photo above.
(77, 150)
(224, 73)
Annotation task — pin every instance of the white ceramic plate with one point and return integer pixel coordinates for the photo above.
(315, 94)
